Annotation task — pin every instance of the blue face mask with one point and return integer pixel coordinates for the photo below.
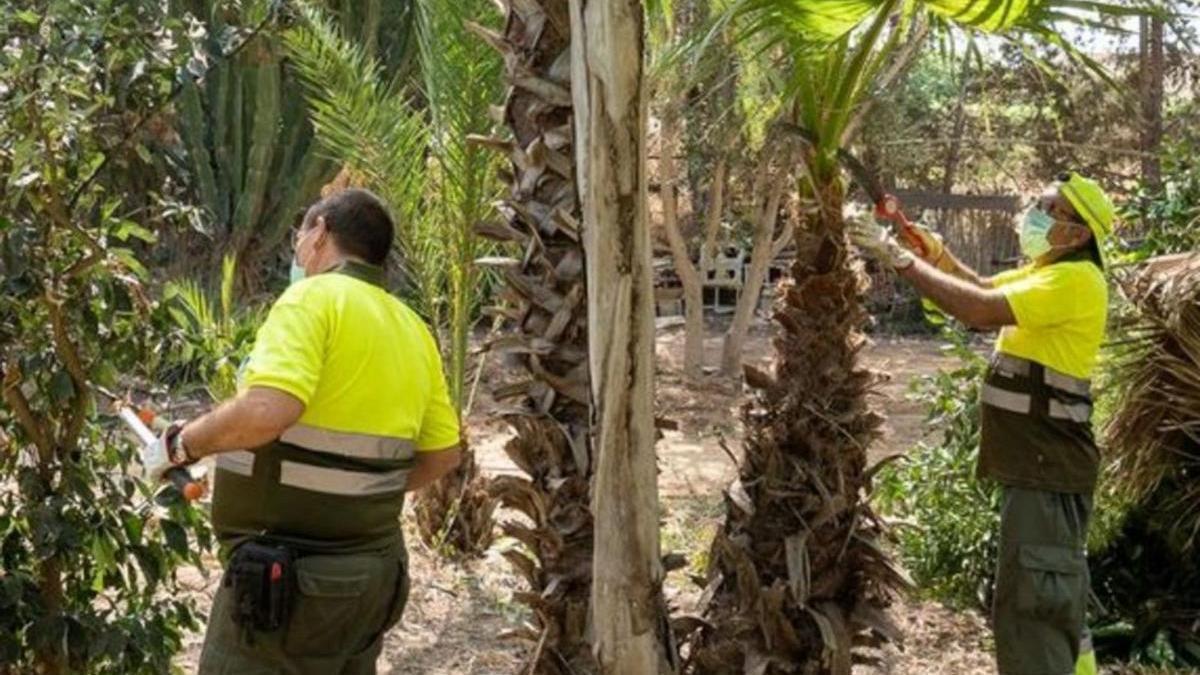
(297, 273)
(1034, 236)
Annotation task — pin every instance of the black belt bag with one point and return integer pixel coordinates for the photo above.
(262, 578)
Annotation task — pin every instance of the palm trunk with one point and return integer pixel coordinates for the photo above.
(546, 345)
(689, 276)
(607, 84)
(765, 249)
(797, 575)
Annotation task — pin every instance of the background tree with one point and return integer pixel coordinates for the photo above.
(247, 145)
(88, 554)
(460, 77)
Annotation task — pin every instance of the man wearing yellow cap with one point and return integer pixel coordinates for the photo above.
(1036, 436)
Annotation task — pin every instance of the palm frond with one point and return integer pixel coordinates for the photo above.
(369, 126)
(374, 131)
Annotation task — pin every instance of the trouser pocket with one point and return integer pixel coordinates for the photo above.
(1051, 585)
(337, 599)
(400, 599)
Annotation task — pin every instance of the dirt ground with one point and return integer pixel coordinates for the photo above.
(458, 615)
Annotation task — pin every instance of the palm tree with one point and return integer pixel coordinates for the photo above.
(797, 573)
(546, 341)
(460, 77)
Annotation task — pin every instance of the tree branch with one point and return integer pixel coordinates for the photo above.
(68, 353)
(15, 398)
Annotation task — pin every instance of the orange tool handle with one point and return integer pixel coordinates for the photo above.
(888, 208)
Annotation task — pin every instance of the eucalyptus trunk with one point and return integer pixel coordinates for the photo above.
(689, 275)
(797, 575)
(608, 86)
(764, 249)
(546, 341)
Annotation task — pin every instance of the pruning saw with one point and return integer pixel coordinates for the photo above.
(140, 421)
(887, 205)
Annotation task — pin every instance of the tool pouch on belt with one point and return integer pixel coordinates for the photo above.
(262, 580)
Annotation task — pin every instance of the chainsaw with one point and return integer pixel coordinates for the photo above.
(887, 205)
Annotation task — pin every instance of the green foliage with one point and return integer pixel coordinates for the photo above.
(1166, 218)
(950, 538)
(247, 142)
(372, 128)
(460, 78)
(1147, 590)
(209, 339)
(87, 554)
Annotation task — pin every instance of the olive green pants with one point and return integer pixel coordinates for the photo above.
(342, 607)
(1038, 612)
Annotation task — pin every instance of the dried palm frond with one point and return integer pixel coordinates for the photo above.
(1146, 576)
(454, 516)
(1153, 436)
(545, 342)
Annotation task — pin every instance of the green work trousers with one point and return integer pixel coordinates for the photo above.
(1038, 612)
(342, 607)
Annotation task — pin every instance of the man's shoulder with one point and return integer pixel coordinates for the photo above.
(1077, 273)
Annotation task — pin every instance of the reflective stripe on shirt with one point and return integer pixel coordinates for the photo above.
(348, 444)
(240, 462)
(1076, 412)
(1006, 400)
(340, 481)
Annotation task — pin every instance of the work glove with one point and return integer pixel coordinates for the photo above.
(878, 242)
(935, 249)
(166, 453)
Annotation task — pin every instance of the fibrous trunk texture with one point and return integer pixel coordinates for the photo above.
(455, 514)
(797, 578)
(628, 615)
(546, 340)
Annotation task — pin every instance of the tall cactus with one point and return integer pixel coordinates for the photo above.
(246, 137)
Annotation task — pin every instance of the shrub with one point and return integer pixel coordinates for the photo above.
(950, 520)
(207, 340)
(87, 554)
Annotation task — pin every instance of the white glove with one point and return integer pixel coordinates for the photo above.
(165, 453)
(877, 241)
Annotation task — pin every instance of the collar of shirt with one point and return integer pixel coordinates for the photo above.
(372, 274)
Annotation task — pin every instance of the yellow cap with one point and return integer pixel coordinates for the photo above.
(1092, 204)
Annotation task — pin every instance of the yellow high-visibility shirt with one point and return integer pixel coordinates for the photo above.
(360, 360)
(1061, 311)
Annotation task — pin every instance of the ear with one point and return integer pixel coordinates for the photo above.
(320, 239)
(1083, 235)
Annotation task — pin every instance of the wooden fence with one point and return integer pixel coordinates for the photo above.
(979, 229)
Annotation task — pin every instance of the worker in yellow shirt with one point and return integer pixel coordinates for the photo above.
(342, 409)
(1036, 436)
